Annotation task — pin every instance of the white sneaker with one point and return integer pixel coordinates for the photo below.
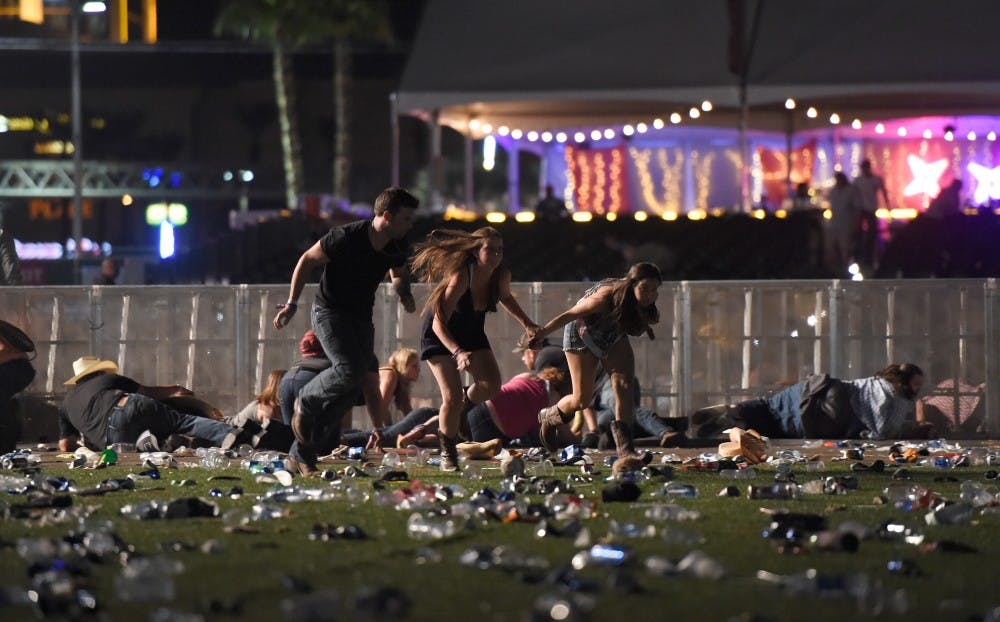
(146, 443)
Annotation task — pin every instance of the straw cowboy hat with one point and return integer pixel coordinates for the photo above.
(88, 365)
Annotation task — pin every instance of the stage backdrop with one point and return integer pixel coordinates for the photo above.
(677, 176)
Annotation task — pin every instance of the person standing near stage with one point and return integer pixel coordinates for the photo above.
(869, 187)
(596, 333)
(355, 258)
(471, 280)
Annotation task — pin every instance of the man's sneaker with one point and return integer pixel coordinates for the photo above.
(147, 443)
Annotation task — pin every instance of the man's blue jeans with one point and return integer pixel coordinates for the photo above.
(349, 343)
(141, 413)
(288, 390)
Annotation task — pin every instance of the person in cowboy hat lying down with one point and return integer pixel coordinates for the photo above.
(105, 407)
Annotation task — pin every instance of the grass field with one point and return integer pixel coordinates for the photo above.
(258, 572)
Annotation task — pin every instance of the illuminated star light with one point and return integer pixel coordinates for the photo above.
(925, 176)
(987, 183)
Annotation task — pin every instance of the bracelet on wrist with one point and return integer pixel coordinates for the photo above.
(456, 353)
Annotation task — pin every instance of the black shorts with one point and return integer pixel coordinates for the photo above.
(470, 334)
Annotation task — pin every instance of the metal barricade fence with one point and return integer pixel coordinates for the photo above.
(716, 342)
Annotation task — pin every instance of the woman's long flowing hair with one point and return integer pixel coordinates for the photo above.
(269, 396)
(633, 318)
(899, 376)
(446, 252)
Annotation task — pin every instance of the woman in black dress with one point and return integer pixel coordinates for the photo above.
(471, 279)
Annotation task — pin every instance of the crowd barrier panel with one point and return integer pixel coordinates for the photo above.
(717, 341)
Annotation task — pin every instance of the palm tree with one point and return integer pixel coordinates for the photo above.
(283, 25)
(287, 24)
(350, 21)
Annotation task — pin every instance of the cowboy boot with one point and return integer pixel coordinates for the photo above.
(549, 420)
(628, 458)
(449, 453)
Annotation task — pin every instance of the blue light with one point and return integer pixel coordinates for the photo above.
(154, 181)
(166, 240)
(175, 179)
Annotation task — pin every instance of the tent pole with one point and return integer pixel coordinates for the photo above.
(745, 57)
(469, 190)
(744, 156)
(394, 131)
(789, 131)
(513, 178)
(437, 163)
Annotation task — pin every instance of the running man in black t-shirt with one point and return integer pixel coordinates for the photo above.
(355, 258)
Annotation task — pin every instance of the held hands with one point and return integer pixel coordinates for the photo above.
(462, 359)
(533, 337)
(286, 312)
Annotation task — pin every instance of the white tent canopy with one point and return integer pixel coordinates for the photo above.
(548, 63)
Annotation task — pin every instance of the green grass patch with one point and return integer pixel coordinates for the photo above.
(246, 580)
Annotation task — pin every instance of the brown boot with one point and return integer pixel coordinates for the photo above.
(549, 420)
(628, 458)
(449, 453)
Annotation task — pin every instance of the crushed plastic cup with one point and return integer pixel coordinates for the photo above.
(700, 565)
(431, 526)
(738, 474)
(670, 512)
(391, 460)
(630, 530)
(673, 534)
(472, 471)
(976, 494)
(147, 579)
(215, 460)
(544, 468)
(815, 466)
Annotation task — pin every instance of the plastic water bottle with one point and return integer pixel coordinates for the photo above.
(602, 555)
(739, 474)
(700, 565)
(977, 494)
(786, 490)
(669, 512)
(147, 579)
(676, 489)
(431, 526)
(213, 460)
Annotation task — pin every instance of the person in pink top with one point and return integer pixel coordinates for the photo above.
(512, 414)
